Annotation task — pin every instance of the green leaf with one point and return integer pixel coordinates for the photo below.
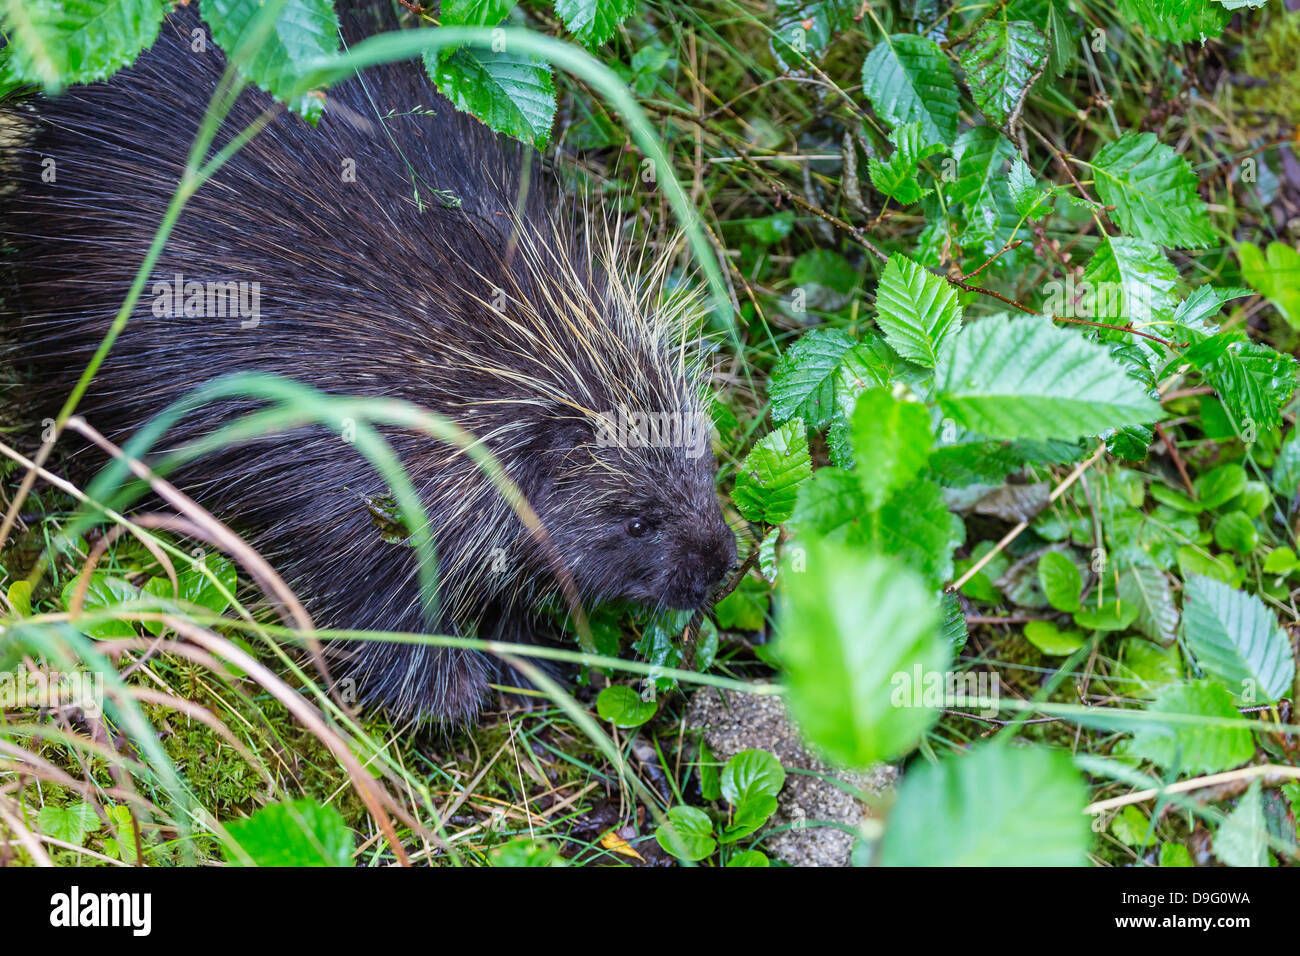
(1242, 839)
(1177, 20)
(1051, 640)
(296, 833)
(594, 21)
(896, 178)
(1143, 667)
(849, 625)
(305, 32)
(1060, 581)
(1026, 195)
(806, 27)
(1281, 561)
(1132, 828)
(1001, 63)
(890, 442)
(769, 477)
(20, 597)
(917, 311)
(57, 42)
(809, 381)
(1275, 275)
(1254, 382)
(1126, 281)
(525, 852)
(511, 92)
(1113, 615)
(103, 592)
(710, 779)
(1153, 190)
(195, 587)
(915, 525)
(474, 13)
(688, 834)
(752, 773)
(1192, 560)
(1236, 638)
(1236, 532)
(1175, 854)
(750, 814)
(908, 79)
(983, 187)
(1147, 589)
(1190, 745)
(1218, 486)
(749, 858)
(69, 824)
(1024, 378)
(623, 706)
(744, 609)
(995, 806)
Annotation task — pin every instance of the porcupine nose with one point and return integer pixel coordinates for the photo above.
(713, 557)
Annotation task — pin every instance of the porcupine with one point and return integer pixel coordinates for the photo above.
(497, 309)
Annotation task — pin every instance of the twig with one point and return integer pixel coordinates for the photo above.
(1019, 529)
(1270, 773)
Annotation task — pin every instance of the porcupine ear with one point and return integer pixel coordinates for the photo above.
(554, 448)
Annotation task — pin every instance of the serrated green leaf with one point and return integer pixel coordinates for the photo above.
(69, 824)
(594, 21)
(1153, 190)
(511, 92)
(914, 525)
(1026, 195)
(1177, 20)
(983, 188)
(1024, 378)
(890, 441)
(805, 27)
(1236, 638)
(1254, 383)
(1126, 280)
(995, 806)
(908, 79)
(809, 380)
(769, 477)
(1148, 590)
(474, 13)
(1242, 839)
(917, 311)
(1194, 743)
(57, 42)
(896, 177)
(305, 32)
(1001, 62)
(849, 624)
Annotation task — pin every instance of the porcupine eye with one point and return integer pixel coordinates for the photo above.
(637, 527)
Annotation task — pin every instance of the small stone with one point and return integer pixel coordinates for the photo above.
(731, 722)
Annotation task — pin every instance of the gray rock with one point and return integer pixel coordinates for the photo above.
(731, 722)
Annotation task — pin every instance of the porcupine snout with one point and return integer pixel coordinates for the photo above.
(705, 553)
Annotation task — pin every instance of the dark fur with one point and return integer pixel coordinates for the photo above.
(365, 294)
